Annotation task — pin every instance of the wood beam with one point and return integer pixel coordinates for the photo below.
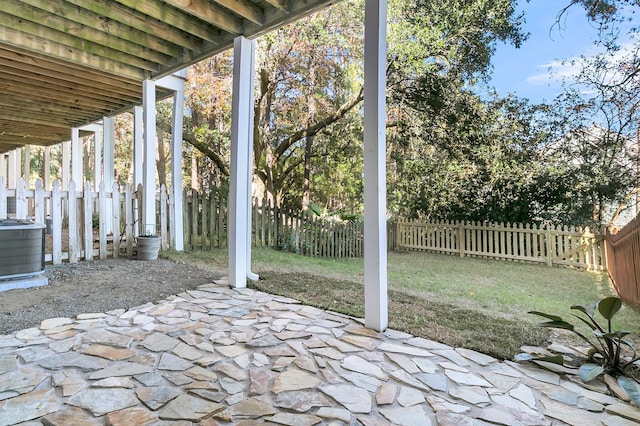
(243, 8)
(283, 5)
(68, 72)
(158, 10)
(31, 84)
(39, 45)
(204, 10)
(10, 116)
(43, 112)
(110, 26)
(75, 30)
(115, 12)
(59, 42)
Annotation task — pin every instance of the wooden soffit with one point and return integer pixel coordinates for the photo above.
(67, 63)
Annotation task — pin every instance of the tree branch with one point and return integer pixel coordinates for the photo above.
(190, 138)
(318, 126)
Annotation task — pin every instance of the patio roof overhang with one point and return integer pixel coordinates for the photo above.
(68, 63)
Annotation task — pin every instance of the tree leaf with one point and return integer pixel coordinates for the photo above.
(590, 371)
(588, 310)
(609, 306)
(631, 387)
(557, 324)
(556, 359)
(548, 316)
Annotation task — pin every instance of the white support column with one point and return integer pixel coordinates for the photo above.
(149, 157)
(97, 159)
(176, 83)
(239, 180)
(108, 158)
(76, 158)
(3, 166)
(26, 168)
(46, 176)
(138, 146)
(108, 151)
(13, 168)
(66, 165)
(375, 200)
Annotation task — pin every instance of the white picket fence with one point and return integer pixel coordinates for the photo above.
(70, 216)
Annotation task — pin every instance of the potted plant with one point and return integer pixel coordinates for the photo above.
(148, 244)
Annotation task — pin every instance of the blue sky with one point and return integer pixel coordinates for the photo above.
(526, 71)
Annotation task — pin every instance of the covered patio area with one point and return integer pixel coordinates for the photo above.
(69, 67)
(216, 356)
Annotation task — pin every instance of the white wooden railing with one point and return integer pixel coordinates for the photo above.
(69, 215)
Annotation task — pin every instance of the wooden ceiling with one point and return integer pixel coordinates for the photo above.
(67, 63)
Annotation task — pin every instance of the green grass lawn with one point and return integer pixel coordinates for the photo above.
(480, 304)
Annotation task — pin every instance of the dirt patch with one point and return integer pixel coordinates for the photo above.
(97, 286)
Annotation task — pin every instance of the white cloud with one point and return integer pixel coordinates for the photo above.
(555, 71)
(558, 71)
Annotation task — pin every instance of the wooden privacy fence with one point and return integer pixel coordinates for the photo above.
(623, 262)
(552, 245)
(206, 228)
(83, 224)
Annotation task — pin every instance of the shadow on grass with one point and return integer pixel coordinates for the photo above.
(411, 313)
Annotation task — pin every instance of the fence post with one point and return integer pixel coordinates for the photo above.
(73, 223)
(549, 245)
(102, 224)
(88, 222)
(38, 205)
(164, 241)
(461, 238)
(115, 209)
(21, 199)
(128, 213)
(3, 198)
(56, 218)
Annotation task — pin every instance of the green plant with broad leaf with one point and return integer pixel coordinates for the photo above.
(609, 353)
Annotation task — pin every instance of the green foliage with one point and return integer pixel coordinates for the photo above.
(606, 354)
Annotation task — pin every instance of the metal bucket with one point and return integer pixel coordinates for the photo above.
(148, 247)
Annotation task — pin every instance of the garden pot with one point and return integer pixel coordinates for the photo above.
(148, 247)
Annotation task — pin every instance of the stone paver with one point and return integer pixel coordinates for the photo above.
(219, 356)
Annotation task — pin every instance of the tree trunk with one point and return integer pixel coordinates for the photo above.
(195, 182)
(311, 117)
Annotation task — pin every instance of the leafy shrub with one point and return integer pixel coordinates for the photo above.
(607, 347)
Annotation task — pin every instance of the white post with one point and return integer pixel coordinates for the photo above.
(3, 166)
(108, 167)
(26, 168)
(138, 146)
(177, 234)
(239, 181)
(175, 82)
(97, 159)
(13, 171)
(375, 224)
(66, 165)
(46, 176)
(149, 163)
(76, 158)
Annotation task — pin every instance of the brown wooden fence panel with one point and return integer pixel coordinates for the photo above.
(623, 262)
(551, 245)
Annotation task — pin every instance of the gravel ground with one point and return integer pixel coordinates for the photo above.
(97, 286)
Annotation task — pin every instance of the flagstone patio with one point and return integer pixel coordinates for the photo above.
(218, 356)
